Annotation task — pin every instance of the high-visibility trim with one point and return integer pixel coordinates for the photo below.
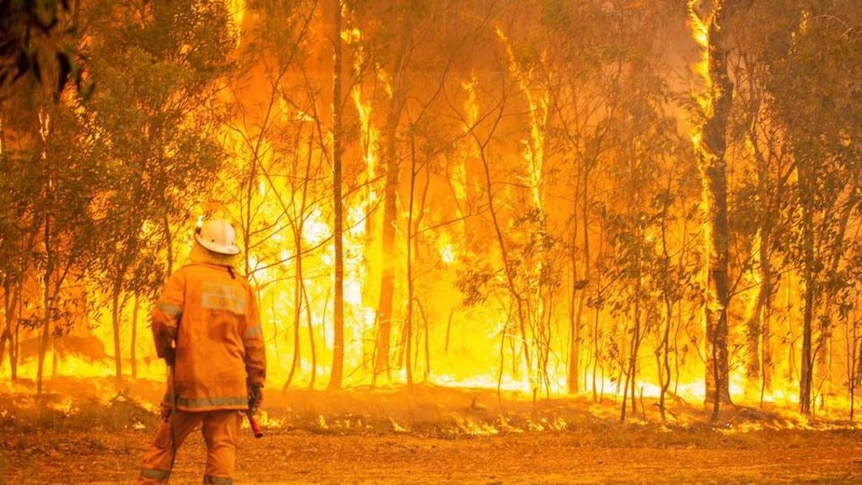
(252, 332)
(213, 402)
(172, 310)
(218, 480)
(217, 296)
(155, 474)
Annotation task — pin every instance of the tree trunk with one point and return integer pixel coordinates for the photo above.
(579, 283)
(407, 336)
(710, 151)
(807, 363)
(115, 325)
(385, 307)
(47, 300)
(300, 296)
(520, 311)
(297, 307)
(7, 340)
(338, 225)
(753, 335)
(311, 346)
(133, 339)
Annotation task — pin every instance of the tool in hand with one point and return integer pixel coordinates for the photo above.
(255, 426)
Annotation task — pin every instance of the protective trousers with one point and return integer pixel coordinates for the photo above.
(220, 430)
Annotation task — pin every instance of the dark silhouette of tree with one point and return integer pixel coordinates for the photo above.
(35, 44)
(337, 373)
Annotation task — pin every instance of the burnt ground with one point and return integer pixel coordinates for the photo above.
(74, 435)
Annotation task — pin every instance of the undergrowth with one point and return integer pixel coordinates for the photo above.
(22, 414)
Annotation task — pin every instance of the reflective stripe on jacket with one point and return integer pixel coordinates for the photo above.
(211, 313)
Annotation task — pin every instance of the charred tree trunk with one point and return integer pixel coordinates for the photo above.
(48, 305)
(116, 311)
(763, 356)
(853, 363)
(808, 278)
(664, 373)
(133, 338)
(824, 350)
(336, 375)
(596, 352)
(412, 229)
(769, 193)
(596, 341)
(764, 311)
(7, 337)
(311, 346)
(631, 367)
(297, 307)
(387, 276)
(580, 282)
(753, 335)
(710, 151)
(299, 294)
(407, 335)
(47, 279)
(115, 327)
(385, 307)
(169, 243)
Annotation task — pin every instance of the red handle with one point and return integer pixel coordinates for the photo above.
(255, 426)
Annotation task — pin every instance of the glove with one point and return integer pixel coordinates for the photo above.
(170, 356)
(165, 412)
(255, 397)
(165, 350)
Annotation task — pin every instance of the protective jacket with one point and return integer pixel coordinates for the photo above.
(207, 320)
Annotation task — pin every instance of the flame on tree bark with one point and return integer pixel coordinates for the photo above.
(710, 153)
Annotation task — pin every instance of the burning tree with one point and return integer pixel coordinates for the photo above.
(499, 192)
(710, 145)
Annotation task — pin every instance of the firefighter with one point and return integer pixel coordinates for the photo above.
(206, 326)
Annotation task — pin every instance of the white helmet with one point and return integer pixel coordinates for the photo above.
(217, 236)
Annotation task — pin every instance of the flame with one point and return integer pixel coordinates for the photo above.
(315, 228)
(533, 148)
(370, 134)
(458, 173)
(236, 9)
(447, 253)
(700, 34)
(468, 362)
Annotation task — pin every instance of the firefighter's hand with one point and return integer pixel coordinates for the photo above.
(165, 412)
(255, 397)
(170, 356)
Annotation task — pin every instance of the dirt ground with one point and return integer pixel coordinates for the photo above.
(433, 436)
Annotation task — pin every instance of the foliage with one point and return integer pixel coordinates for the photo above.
(539, 151)
(31, 45)
(156, 154)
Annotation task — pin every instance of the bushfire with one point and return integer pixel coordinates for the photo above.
(605, 199)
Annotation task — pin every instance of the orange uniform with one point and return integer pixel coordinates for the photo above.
(206, 320)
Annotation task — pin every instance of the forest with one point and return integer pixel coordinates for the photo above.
(619, 198)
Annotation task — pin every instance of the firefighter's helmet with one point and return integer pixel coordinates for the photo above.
(217, 236)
